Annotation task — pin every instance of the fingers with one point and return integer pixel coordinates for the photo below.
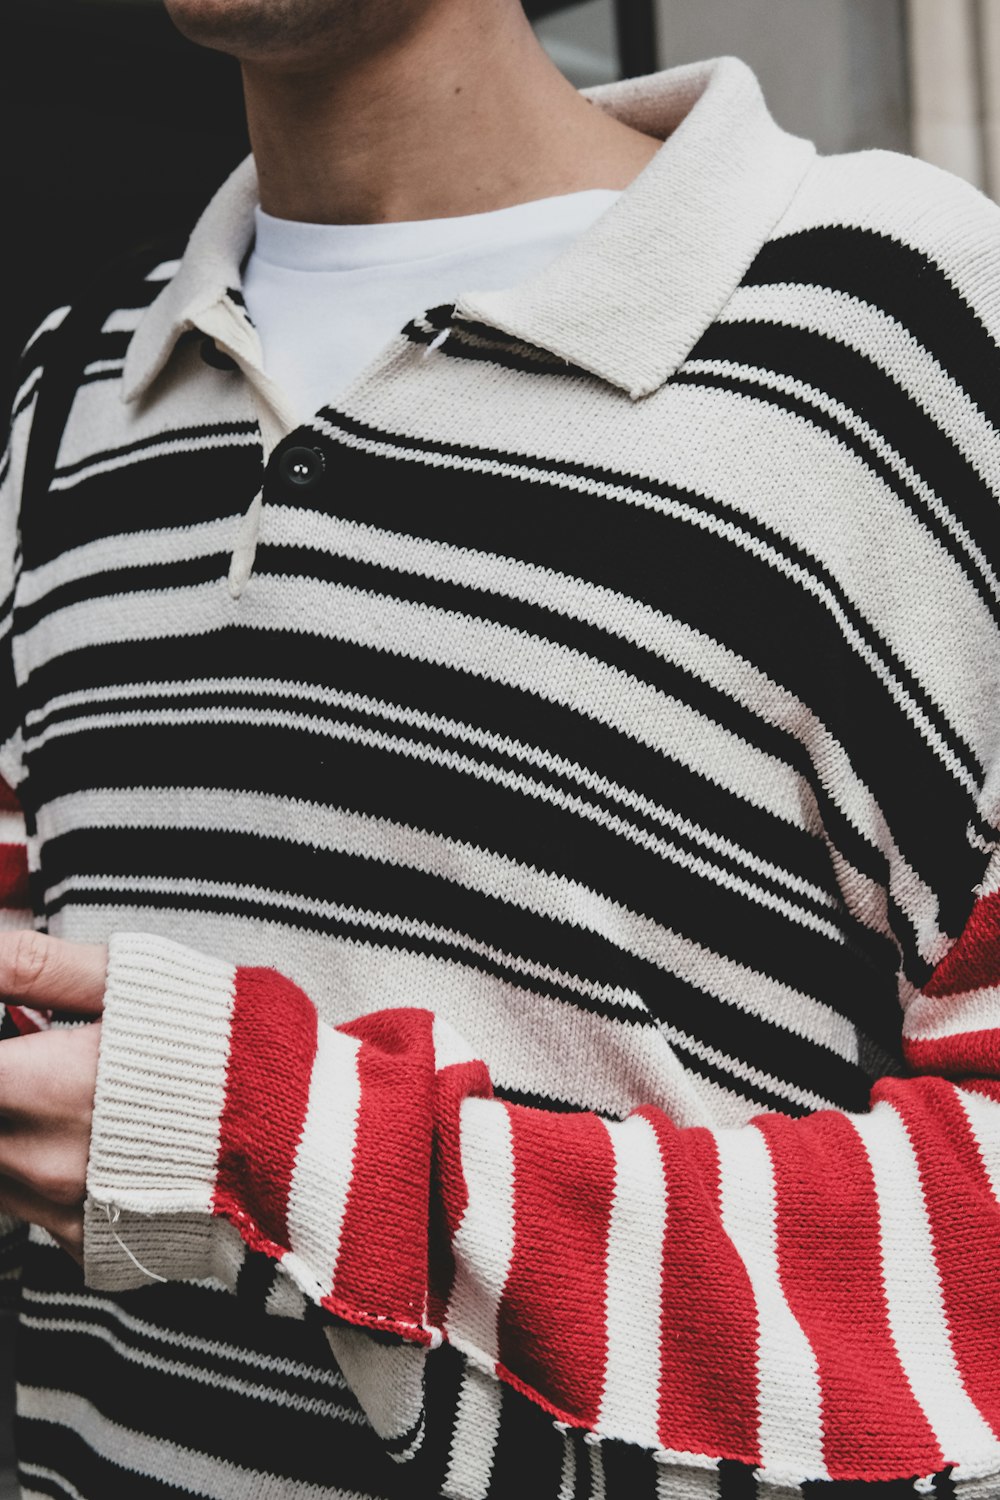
(44, 971)
(63, 1222)
(48, 1077)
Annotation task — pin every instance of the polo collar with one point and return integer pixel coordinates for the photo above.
(631, 297)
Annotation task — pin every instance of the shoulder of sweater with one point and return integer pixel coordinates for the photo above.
(931, 213)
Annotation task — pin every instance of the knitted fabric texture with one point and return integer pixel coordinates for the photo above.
(554, 904)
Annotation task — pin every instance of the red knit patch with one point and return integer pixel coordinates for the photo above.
(974, 962)
(272, 1050)
(965, 1224)
(14, 877)
(449, 1192)
(827, 1223)
(708, 1319)
(384, 1244)
(552, 1327)
(963, 1055)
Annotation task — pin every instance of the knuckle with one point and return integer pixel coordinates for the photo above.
(27, 958)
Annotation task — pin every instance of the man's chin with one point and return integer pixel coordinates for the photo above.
(264, 30)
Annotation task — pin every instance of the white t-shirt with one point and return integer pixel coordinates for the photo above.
(326, 298)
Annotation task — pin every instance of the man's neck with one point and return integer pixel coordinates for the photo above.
(463, 115)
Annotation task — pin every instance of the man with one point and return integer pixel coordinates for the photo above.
(503, 694)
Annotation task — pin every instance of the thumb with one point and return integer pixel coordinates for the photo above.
(47, 972)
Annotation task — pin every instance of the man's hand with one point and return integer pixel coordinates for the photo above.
(47, 1083)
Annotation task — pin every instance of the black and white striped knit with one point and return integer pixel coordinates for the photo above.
(545, 811)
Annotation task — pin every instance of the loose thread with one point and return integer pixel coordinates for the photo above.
(114, 1214)
(437, 341)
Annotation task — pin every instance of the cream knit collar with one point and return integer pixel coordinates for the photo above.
(630, 298)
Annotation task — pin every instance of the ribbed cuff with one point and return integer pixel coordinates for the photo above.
(160, 1093)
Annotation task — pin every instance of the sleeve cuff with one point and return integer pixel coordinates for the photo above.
(160, 1094)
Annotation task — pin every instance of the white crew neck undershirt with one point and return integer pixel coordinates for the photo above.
(327, 298)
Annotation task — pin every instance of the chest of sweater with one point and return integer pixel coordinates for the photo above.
(631, 716)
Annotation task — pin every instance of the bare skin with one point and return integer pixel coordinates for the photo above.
(360, 111)
(47, 1083)
(364, 111)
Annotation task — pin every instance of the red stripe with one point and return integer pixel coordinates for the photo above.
(26, 1021)
(14, 877)
(382, 1267)
(974, 962)
(963, 1055)
(829, 1252)
(965, 1223)
(272, 1050)
(552, 1327)
(708, 1388)
(8, 798)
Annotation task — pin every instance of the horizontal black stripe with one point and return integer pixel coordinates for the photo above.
(858, 384)
(203, 433)
(245, 862)
(173, 494)
(899, 279)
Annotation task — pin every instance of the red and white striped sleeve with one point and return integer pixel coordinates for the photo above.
(15, 901)
(14, 913)
(818, 1297)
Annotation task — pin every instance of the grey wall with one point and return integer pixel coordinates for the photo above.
(581, 40)
(833, 70)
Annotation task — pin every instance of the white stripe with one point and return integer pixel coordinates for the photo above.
(36, 1471)
(696, 653)
(483, 648)
(984, 1121)
(914, 1299)
(630, 1403)
(738, 1069)
(104, 366)
(263, 1390)
(284, 1300)
(548, 1051)
(837, 474)
(23, 391)
(319, 1374)
(929, 1018)
(477, 1429)
(484, 1241)
(846, 416)
(791, 1420)
(673, 1483)
(124, 319)
(165, 271)
(324, 1162)
(48, 324)
(567, 1479)
(884, 342)
(210, 441)
(598, 1489)
(461, 764)
(157, 1458)
(305, 693)
(11, 828)
(450, 1048)
(111, 553)
(472, 867)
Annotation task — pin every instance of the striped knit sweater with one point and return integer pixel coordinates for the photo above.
(545, 815)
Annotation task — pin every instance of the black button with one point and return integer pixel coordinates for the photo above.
(216, 357)
(302, 467)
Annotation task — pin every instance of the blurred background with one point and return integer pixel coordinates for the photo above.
(119, 131)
